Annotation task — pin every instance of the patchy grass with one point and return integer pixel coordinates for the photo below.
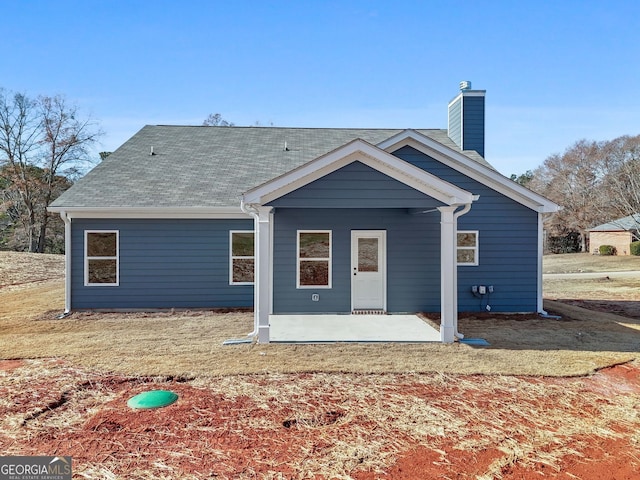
(619, 295)
(190, 343)
(587, 263)
(608, 292)
(18, 269)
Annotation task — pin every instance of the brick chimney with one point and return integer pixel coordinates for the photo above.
(466, 118)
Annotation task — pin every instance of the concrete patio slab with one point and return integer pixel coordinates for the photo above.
(350, 328)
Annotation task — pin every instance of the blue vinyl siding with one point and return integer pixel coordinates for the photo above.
(466, 122)
(356, 186)
(163, 264)
(473, 121)
(185, 263)
(413, 258)
(508, 249)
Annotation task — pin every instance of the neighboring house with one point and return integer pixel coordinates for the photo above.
(617, 233)
(305, 220)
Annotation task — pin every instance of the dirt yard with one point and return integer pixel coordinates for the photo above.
(325, 425)
(414, 418)
(610, 291)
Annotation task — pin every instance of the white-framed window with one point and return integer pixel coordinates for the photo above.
(102, 258)
(467, 247)
(313, 259)
(241, 257)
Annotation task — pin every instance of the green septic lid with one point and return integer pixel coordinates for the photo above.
(152, 399)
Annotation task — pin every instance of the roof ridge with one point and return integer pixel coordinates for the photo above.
(276, 127)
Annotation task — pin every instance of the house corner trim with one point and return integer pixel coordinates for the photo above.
(67, 261)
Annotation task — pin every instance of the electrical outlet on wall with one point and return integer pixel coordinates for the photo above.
(482, 289)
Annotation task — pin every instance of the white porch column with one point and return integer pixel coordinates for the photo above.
(262, 284)
(448, 277)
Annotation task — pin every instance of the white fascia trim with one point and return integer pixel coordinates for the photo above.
(470, 168)
(154, 212)
(453, 100)
(370, 155)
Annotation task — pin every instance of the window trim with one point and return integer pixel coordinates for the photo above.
(475, 248)
(88, 258)
(232, 257)
(329, 259)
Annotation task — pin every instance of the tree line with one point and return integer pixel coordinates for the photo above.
(594, 182)
(46, 144)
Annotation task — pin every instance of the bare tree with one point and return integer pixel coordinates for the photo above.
(41, 141)
(594, 182)
(216, 120)
(620, 164)
(64, 149)
(574, 181)
(14, 222)
(20, 134)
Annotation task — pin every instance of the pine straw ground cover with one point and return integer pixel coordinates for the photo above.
(318, 425)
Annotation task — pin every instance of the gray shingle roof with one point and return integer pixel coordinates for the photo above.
(626, 223)
(199, 166)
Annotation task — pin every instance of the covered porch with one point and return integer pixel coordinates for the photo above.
(338, 196)
(326, 328)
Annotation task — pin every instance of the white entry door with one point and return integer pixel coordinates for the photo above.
(368, 270)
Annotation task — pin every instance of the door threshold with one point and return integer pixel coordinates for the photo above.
(368, 312)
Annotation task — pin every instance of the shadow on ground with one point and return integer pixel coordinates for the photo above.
(579, 328)
(626, 308)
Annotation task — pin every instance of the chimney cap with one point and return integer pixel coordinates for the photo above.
(465, 85)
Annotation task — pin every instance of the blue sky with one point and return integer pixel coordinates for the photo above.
(555, 71)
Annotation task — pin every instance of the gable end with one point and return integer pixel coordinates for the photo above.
(364, 152)
(476, 170)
